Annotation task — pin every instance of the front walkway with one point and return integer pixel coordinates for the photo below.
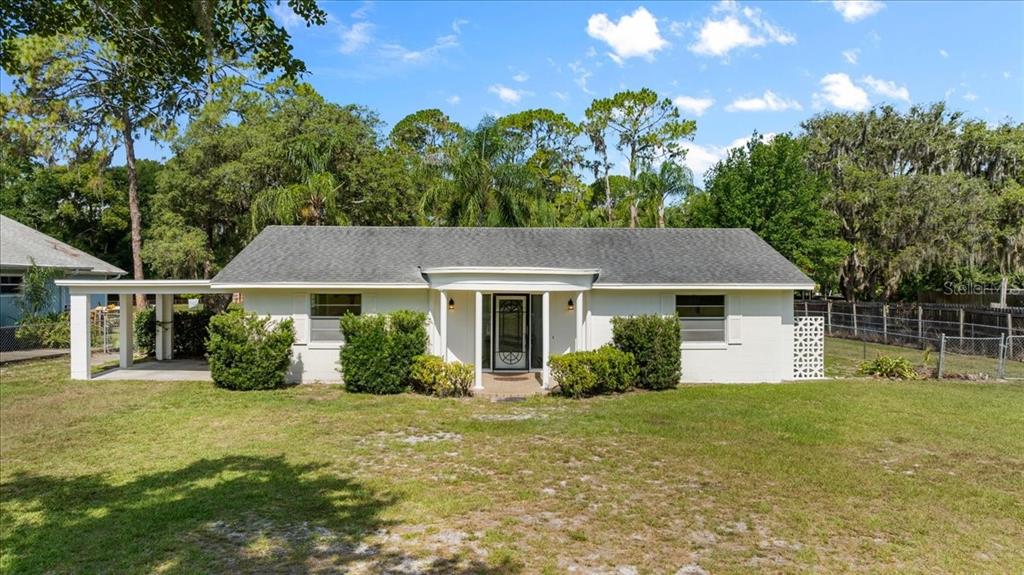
(510, 385)
(167, 370)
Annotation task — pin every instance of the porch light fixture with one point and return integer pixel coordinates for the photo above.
(451, 303)
(571, 306)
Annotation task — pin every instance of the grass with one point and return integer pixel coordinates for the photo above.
(830, 476)
(844, 356)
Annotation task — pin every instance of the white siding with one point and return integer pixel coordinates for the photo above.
(759, 333)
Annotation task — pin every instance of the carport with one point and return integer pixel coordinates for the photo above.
(164, 290)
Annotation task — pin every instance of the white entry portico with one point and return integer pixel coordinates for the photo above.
(515, 316)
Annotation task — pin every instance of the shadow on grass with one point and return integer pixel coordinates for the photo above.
(229, 515)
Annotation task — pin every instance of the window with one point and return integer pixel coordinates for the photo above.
(701, 317)
(325, 312)
(10, 285)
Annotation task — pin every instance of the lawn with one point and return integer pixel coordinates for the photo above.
(844, 356)
(830, 476)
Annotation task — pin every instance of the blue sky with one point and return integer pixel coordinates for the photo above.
(735, 67)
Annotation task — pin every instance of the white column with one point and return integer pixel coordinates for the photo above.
(545, 337)
(580, 345)
(81, 344)
(125, 333)
(164, 326)
(442, 326)
(478, 347)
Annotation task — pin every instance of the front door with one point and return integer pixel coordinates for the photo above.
(510, 344)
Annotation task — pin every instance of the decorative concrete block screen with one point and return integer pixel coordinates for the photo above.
(809, 348)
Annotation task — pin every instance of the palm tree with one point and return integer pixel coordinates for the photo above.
(672, 181)
(311, 202)
(485, 185)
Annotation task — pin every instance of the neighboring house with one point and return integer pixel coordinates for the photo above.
(505, 299)
(21, 247)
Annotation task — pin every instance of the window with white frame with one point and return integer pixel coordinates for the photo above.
(701, 317)
(325, 311)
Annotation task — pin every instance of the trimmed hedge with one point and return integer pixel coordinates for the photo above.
(248, 352)
(604, 370)
(654, 342)
(190, 330)
(379, 350)
(434, 376)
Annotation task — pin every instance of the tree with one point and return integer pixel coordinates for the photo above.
(672, 180)
(765, 186)
(546, 141)
(648, 129)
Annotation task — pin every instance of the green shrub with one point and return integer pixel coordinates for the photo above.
(604, 370)
(573, 375)
(190, 330)
(654, 342)
(49, 331)
(889, 367)
(433, 376)
(379, 350)
(247, 351)
(616, 370)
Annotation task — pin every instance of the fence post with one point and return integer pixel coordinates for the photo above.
(1001, 370)
(854, 319)
(806, 312)
(961, 322)
(828, 307)
(1009, 325)
(885, 322)
(942, 355)
(920, 329)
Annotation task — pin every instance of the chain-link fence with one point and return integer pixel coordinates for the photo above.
(980, 343)
(47, 336)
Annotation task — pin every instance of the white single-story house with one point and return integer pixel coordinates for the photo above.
(21, 247)
(506, 299)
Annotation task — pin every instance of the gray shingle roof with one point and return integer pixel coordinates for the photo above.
(356, 255)
(21, 245)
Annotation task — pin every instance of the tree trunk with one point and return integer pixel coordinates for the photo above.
(633, 219)
(661, 213)
(133, 204)
(607, 194)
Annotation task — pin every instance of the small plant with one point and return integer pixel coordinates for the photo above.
(189, 331)
(888, 367)
(604, 370)
(379, 350)
(248, 352)
(50, 331)
(434, 376)
(654, 342)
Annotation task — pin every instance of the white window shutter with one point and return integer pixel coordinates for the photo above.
(734, 321)
(300, 315)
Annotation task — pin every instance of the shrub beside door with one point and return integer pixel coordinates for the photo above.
(655, 344)
(379, 350)
(248, 352)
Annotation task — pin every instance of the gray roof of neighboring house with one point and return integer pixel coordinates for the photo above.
(395, 255)
(21, 246)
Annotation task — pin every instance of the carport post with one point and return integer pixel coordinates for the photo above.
(164, 326)
(81, 344)
(125, 333)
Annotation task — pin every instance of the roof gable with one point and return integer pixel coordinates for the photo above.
(397, 255)
(21, 246)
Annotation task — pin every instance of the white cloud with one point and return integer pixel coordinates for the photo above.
(632, 36)
(768, 102)
(521, 77)
(700, 158)
(696, 106)
(855, 10)
(454, 99)
(580, 76)
(506, 94)
(1006, 75)
(970, 96)
(851, 55)
(403, 54)
(354, 38)
(560, 95)
(363, 11)
(738, 28)
(887, 88)
(457, 25)
(677, 28)
(839, 91)
(943, 53)
(286, 17)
